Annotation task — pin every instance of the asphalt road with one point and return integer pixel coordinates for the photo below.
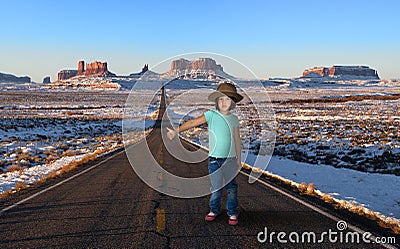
(109, 206)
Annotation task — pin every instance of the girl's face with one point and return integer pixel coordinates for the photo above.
(224, 103)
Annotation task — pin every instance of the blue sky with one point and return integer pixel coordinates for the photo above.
(272, 38)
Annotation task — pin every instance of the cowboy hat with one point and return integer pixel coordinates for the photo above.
(225, 89)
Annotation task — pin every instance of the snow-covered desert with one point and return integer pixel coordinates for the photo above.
(342, 136)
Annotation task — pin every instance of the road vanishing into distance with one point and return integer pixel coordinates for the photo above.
(106, 205)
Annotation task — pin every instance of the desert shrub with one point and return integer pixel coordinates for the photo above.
(69, 153)
(50, 158)
(22, 157)
(356, 151)
(20, 186)
(63, 146)
(14, 167)
(322, 147)
(299, 155)
(348, 159)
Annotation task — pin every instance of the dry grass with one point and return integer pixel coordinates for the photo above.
(51, 158)
(6, 193)
(65, 169)
(73, 165)
(52, 155)
(14, 168)
(327, 198)
(23, 156)
(310, 189)
(69, 153)
(18, 187)
(383, 221)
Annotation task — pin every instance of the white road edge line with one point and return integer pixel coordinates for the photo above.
(332, 217)
(58, 184)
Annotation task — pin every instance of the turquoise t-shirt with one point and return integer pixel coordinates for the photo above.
(220, 133)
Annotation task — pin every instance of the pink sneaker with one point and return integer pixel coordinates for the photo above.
(211, 216)
(233, 219)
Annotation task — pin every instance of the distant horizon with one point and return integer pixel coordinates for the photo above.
(273, 39)
(137, 71)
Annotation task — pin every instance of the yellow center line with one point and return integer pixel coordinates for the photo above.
(160, 219)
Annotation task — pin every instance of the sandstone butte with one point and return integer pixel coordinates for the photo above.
(198, 64)
(339, 71)
(92, 69)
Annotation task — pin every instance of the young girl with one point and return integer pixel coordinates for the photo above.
(224, 149)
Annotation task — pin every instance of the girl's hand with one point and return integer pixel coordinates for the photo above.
(171, 133)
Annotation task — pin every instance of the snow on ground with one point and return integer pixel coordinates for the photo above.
(377, 192)
(42, 131)
(354, 134)
(31, 175)
(30, 142)
(352, 131)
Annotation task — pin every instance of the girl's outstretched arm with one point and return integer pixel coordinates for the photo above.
(186, 126)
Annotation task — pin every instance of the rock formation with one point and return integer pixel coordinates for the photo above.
(66, 74)
(180, 64)
(144, 70)
(92, 69)
(81, 67)
(342, 71)
(83, 82)
(46, 80)
(12, 78)
(96, 68)
(205, 68)
(198, 64)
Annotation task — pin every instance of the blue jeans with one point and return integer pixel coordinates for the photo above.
(222, 170)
